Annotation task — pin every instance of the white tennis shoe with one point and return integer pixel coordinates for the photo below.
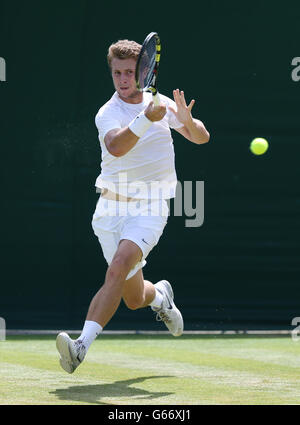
(71, 352)
(168, 312)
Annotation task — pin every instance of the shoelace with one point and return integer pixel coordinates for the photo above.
(162, 316)
(80, 349)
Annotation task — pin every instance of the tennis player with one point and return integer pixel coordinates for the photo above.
(137, 177)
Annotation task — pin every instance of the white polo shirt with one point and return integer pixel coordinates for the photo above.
(147, 171)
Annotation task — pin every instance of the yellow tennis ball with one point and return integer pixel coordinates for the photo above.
(259, 146)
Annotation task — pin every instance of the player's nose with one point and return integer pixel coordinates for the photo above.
(123, 78)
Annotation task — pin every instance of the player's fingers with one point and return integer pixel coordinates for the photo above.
(163, 108)
(176, 96)
(192, 103)
(179, 97)
(150, 106)
(182, 98)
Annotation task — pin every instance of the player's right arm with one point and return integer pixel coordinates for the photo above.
(119, 141)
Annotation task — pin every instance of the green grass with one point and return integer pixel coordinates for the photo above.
(156, 370)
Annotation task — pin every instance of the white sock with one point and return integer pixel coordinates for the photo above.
(158, 299)
(89, 332)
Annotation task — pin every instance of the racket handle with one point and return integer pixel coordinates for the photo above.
(156, 99)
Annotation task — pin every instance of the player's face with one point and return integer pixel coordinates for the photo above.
(123, 74)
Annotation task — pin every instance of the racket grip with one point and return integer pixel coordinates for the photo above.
(156, 99)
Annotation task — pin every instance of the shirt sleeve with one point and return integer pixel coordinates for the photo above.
(105, 121)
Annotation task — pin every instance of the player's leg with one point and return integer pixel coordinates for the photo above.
(146, 230)
(140, 293)
(102, 307)
(137, 292)
(107, 299)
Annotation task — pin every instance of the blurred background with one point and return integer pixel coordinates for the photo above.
(240, 269)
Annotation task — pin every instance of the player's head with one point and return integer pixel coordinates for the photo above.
(121, 58)
(123, 49)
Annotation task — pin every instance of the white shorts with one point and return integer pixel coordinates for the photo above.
(141, 222)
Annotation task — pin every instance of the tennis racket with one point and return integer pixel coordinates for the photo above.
(147, 66)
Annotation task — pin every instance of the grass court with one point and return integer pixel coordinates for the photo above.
(154, 370)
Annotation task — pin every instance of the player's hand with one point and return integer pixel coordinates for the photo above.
(155, 113)
(184, 111)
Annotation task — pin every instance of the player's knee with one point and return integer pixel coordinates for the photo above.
(132, 305)
(118, 269)
(114, 274)
(135, 303)
(122, 262)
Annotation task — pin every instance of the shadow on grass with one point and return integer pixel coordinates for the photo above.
(117, 389)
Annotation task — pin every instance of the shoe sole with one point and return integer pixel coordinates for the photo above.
(62, 345)
(180, 330)
(169, 289)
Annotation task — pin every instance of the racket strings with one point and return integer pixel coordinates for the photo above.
(147, 64)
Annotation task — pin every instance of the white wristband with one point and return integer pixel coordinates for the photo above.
(140, 124)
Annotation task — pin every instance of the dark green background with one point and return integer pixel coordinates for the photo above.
(241, 268)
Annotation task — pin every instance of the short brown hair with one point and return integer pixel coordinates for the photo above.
(123, 49)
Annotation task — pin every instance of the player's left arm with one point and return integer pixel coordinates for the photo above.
(193, 130)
